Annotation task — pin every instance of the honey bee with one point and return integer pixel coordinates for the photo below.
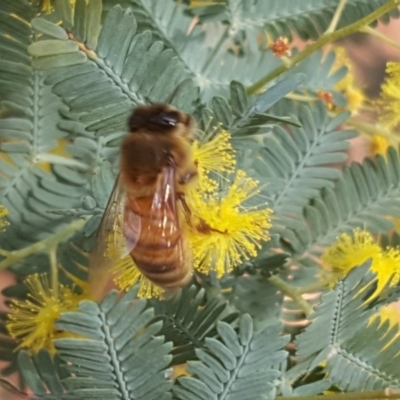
(142, 217)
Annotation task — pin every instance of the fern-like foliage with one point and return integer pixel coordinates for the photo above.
(100, 78)
(69, 77)
(43, 374)
(29, 134)
(115, 68)
(359, 355)
(251, 294)
(297, 164)
(242, 115)
(116, 354)
(188, 319)
(213, 71)
(119, 355)
(365, 196)
(308, 19)
(241, 362)
(247, 289)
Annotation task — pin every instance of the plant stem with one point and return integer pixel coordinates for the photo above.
(322, 41)
(312, 287)
(336, 17)
(385, 394)
(54, 269)
(44, 245)
(292, 292)
(373, 129)
(381, 36)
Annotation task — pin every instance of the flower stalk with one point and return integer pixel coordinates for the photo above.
(291, 292)
(54, 269)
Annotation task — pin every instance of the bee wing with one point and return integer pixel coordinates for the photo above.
(117, 235)
(162, 233)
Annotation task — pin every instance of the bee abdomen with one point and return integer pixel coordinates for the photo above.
(161, 252)
(164, 267)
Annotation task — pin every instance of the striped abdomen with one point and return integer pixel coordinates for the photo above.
(161, 251)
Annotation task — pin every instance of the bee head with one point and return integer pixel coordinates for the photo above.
(159, 118)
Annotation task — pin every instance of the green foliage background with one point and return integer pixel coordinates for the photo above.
(74, 75)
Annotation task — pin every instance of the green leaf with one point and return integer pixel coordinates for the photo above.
(252, 17)
(359, 355)
(93, 24)
(239, 100)
(188, 321)
(43, 374)
(214, 69)
(58, 61)
(265, 101)
(30, 373)
(49, 29)
(245, 366)
(29, 133)
(50, 47)
(119, 352)
(126, 69)
(365, 197)
(63, 9)
(294, 162)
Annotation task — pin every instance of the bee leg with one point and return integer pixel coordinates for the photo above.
(186, 209)
(187, 177)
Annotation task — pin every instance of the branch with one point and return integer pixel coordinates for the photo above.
(44, 245)
(380, 36)
(291, 292)
(322, 41)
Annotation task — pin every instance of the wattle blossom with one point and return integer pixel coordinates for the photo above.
(349, 252)
(32, 321)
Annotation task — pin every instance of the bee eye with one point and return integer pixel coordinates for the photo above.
(169, 118)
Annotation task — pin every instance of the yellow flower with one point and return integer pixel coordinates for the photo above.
(390, 313)
(47, 7)
(3, 214)
(32, 321)
(128, 275)
(351, 251)
(379, 144)
(226, 230)
(389, 102)
(215, 156)
(348, 85)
